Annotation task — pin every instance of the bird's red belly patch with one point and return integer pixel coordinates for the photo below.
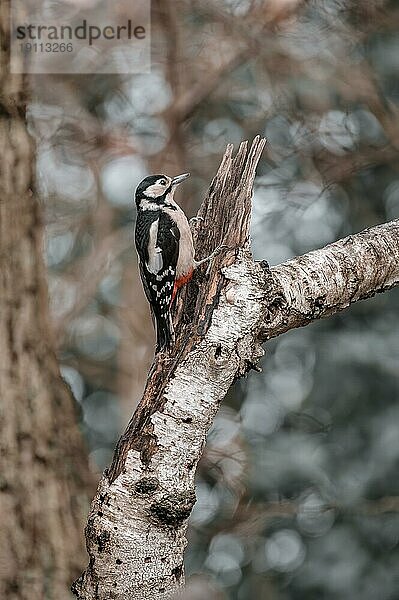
(180, 282)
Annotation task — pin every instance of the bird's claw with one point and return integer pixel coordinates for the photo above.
(195, 220)
(210, 258)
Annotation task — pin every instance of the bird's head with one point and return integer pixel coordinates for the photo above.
(157, 189)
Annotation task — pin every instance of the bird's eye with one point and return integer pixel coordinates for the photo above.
(162, 181)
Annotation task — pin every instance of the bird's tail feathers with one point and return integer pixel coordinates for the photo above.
(165, 331)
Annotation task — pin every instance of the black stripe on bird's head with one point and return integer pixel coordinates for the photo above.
(158, 189)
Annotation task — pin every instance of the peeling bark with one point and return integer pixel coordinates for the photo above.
(136, 529)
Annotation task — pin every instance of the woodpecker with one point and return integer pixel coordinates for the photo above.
(165, 248)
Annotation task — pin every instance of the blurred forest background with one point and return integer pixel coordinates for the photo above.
(298, 490)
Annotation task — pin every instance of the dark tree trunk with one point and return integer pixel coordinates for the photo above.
(44, 475)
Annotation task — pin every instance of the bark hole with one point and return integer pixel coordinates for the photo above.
(102, 540)
(178, 571)
(218, 351)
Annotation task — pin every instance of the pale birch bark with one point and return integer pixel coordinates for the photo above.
(136, 528)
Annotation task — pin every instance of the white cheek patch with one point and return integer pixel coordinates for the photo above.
(155, 190)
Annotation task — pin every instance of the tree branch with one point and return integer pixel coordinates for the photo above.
(250, 519)
(136, 529)
(325, 281)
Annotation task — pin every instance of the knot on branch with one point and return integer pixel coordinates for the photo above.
(146, 485)
(173, 509)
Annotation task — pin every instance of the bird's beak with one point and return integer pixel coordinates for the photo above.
(179, 178)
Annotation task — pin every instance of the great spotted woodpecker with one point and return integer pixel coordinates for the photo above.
(165, 249)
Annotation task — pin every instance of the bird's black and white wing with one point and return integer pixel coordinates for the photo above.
(157, 242)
